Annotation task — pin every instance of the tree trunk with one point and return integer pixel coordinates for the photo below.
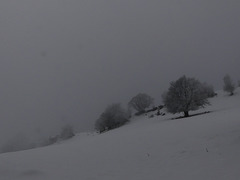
(186, 114)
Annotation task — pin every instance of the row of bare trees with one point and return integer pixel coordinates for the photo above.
(184, 95)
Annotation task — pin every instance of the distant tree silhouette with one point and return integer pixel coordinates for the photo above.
(66, 132)
(209, 90)
(140, 102)
(228, 85)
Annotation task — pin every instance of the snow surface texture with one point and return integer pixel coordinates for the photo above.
(204, 147)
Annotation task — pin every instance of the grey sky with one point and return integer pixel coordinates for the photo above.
(66, 60)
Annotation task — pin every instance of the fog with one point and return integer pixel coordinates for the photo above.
(62, 62)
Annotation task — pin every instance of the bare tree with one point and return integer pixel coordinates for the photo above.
(140, 102)
(228, 85)
(114, 116)
(184, 95)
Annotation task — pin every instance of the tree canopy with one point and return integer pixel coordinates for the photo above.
(140, 102)
(184, 95)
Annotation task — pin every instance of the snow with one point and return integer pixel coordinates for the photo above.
(204, 147)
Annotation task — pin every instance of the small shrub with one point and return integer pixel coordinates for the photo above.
(151, 116)
(139, 113)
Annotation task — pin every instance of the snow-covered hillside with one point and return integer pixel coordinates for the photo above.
(204, 147)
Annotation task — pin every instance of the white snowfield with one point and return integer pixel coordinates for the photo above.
(204, 147)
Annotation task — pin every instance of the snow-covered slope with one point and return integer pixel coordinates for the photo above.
(204, 147)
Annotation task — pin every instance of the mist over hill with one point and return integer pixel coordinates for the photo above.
(62, 62)
(198, 147)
